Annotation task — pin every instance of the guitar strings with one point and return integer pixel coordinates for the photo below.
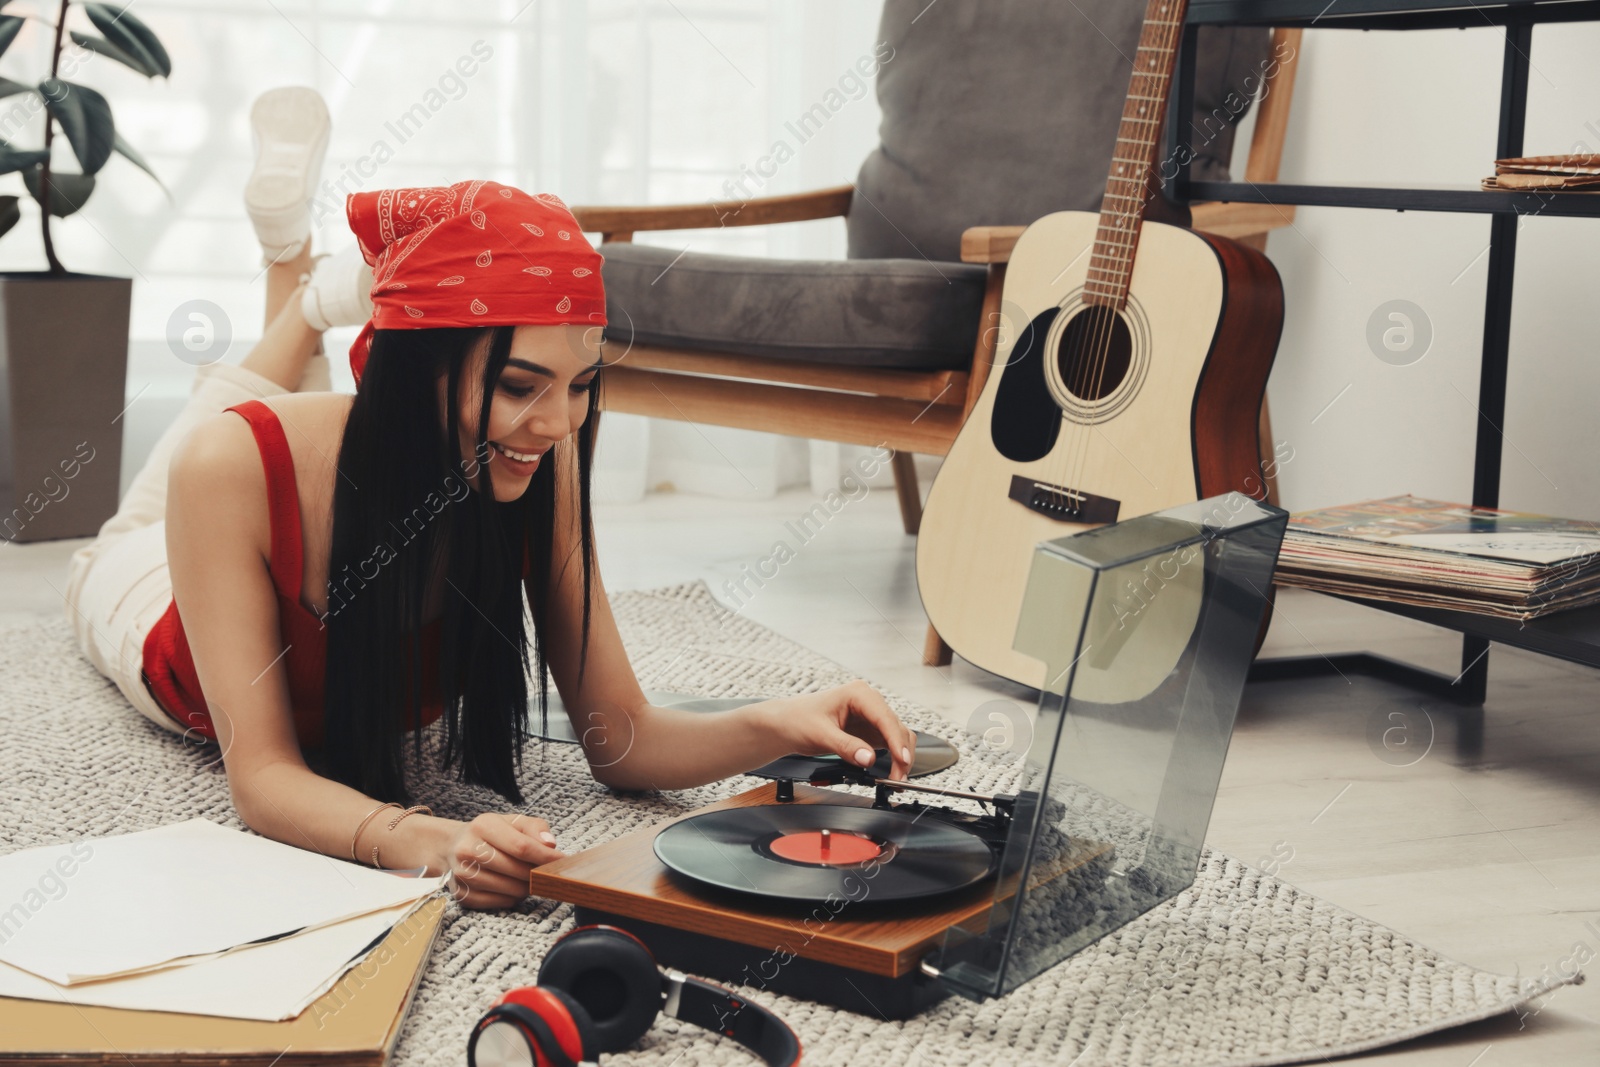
(1164, 40)
(1103, 327)
(1092, 345)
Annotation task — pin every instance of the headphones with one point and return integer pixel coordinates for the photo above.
(599, 990)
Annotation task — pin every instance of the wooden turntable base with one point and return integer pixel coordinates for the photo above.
(854, 953)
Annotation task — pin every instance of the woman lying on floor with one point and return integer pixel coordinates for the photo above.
(300, 573)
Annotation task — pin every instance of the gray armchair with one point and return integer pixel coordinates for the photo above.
(995, 112)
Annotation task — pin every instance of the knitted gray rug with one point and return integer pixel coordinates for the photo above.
(1239, 969)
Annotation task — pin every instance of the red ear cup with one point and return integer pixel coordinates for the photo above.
(613, 976)
(542, 1016)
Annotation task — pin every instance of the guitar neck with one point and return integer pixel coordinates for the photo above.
(1134, 158)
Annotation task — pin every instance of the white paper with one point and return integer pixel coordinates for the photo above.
(269, 982)
(109, 906)
(1533, 547)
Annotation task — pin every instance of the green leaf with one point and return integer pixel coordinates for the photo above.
(68, 192)
(11, 88)
(111, 51)
(15, 159)
(123, 29)
(137, 160)
(9, 213)
(85, 118)
(10, 26)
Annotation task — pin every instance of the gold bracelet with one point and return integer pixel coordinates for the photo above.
(363, 825)
(396, 821)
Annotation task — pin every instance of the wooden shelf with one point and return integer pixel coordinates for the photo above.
(1572, 636)
(1567, 203)
(1388, 14)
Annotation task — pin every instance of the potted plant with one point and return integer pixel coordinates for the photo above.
(64, 335)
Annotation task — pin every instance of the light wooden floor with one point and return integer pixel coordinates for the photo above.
(1495, 862)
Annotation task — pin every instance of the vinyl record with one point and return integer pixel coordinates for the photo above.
(933, 754)
(559, 727)
(811, 852)
(684, 703)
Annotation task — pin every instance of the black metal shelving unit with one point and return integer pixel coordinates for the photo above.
(1572, 635)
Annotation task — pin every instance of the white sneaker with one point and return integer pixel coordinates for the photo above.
(289, 127)
(339, 291)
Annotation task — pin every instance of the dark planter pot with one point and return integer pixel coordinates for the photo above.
(64, 351)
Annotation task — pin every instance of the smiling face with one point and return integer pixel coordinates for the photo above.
(541, 398)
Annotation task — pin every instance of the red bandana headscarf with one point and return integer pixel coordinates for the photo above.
(475, 253)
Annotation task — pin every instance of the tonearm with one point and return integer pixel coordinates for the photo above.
(1003, 804)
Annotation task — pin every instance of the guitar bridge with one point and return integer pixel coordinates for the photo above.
(1060, 502)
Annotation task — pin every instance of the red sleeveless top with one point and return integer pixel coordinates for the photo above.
(169, 670)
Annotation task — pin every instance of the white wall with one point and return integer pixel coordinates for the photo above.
(1421, 108)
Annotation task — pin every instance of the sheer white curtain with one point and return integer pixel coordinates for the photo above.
(611, 101)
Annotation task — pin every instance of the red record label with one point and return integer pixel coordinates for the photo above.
(825, 848)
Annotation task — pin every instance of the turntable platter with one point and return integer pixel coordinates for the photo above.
(817, 852)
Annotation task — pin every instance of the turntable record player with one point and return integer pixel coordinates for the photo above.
(847, 948)
(885, 903)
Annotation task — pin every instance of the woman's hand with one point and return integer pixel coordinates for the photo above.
(851, 721)
(491, 856)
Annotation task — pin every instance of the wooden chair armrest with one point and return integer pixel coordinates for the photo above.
(620, 223)
(1238, 220)
(989, 244)
(993, 244)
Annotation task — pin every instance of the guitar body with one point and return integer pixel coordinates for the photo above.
(1163, 410)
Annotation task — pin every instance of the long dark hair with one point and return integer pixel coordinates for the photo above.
(405, 515)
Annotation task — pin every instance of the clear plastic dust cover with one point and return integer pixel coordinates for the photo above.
(1147, 629)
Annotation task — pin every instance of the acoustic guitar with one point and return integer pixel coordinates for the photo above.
(1128, 377)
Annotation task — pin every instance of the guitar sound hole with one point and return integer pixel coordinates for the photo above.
(1095, 353)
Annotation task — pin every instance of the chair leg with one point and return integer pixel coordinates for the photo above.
(935, 653)
(905, 486)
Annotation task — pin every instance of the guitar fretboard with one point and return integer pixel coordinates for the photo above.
(1135, 155)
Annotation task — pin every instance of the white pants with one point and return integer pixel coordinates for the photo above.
(118, 585)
